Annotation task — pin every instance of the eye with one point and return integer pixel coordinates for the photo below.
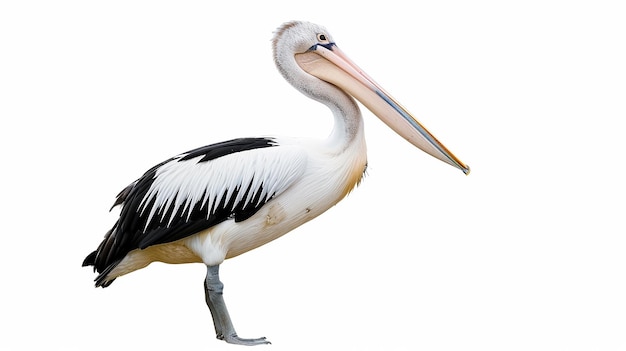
(321, 38)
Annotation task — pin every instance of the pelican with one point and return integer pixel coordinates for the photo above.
(222, 200)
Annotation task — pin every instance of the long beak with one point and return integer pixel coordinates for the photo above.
(330, 64)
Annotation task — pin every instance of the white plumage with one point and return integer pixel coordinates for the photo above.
(184, 184)
(222, 200)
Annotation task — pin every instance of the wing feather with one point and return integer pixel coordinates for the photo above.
(182, 186)
(197, 190)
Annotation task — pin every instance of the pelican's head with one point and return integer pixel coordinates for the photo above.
(309, 49)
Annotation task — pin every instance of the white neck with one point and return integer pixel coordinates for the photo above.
(348, 124)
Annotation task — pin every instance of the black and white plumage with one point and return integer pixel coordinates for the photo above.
(222, 200)
(161, 207)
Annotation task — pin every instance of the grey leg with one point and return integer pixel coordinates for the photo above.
(224, 329)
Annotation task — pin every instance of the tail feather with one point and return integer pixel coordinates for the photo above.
(107, 256)
(102, 267)
(90, 260)
(101, 280)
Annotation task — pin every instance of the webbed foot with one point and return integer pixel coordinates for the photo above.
(234, 339)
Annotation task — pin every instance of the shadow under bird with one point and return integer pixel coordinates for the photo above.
(221, 200)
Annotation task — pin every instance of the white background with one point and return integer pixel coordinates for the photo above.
(526, 253)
